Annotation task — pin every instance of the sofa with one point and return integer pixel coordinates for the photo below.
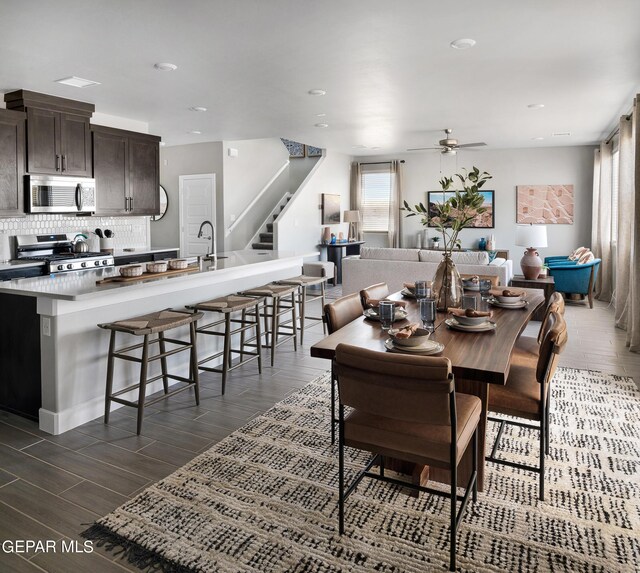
(397, 266)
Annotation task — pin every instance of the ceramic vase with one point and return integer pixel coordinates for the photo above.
(531, 264)
(447, 285)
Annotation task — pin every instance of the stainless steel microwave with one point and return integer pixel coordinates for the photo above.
(53, 194)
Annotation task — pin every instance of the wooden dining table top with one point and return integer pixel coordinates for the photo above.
(482, 356)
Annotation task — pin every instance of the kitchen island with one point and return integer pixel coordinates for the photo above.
(51, 348)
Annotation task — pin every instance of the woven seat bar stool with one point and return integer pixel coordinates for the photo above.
(281, 300)
(303, 297)
(249, 319)
(146, 326)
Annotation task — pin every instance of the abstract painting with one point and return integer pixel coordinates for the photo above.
(482, 221)
(314, 151)
(544, 204)
(296, 150)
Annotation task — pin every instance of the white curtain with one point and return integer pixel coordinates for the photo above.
(601, 223)
(395, 219)
(628, 240)
(356, 194)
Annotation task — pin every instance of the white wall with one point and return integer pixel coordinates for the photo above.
(179, 160)
(299, 228)
(557, 165)
(119, 122)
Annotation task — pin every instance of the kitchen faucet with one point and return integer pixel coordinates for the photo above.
(214, 250)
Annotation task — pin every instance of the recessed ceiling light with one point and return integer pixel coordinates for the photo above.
(561, 134)
(360, 146)
(375, 147)
(77, 82)
(463, 44)
(537, 138)
(197, 108)
(317, 92)
(320, 114)
(165, 67)
(535, 106)
(322, 125)
(162, 144)
(195, 132)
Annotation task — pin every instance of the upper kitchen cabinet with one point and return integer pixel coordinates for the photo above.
(58, 133)
(126, 168)
(11, 163)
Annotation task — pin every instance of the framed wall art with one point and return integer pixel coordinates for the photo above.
(484, 220)
(330, 209)
(314, 151)
(296, 150)
(544, 204)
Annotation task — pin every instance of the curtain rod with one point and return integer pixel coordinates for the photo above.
(379, 162)
(616, 130)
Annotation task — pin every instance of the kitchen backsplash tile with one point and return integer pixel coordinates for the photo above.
(128, 231)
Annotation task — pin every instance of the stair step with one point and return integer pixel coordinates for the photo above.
(275, 216)
(288, 199)
(269, 227)
(263, 246)
(281, 208)
(266, 237)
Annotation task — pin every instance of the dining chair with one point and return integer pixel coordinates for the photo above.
(377, 291)
(337, 314)
(405, 408)
(526, 395)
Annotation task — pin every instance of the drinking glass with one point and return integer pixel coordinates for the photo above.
(421, 289)
(484, 288)
(469, 301)
(386, 311)
(428, 313)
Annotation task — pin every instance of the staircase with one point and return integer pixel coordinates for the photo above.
(265, 234)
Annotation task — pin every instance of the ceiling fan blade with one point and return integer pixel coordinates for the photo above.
(477, 144)
(423, 148)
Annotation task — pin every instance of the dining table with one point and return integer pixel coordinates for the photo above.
(478, 360)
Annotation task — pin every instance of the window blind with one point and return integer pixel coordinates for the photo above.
(376, 196)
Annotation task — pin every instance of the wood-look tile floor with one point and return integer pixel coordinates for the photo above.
(53, 487)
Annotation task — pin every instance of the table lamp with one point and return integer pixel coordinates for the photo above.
(533, 237)
(352, 217)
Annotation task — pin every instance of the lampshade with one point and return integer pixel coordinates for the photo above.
(531, 236)
(352, 216)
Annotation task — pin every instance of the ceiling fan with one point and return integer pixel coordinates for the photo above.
(448, 145)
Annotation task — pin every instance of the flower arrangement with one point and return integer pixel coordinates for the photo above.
(457, 212)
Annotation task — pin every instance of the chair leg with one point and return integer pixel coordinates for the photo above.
(193, 354)
(333, 403)
(322, 302)
(294, 322)
(340, 471)
(226, 349)
(474, 453)
(243, 320)
(543, 430)
(163, 362)
(546, 434)
(303, 303)
(109, 390)
(452, 541)
(275, 309)
(142, 390)
(258, 338)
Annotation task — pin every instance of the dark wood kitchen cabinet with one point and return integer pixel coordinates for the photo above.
(58, 133)
(126, 168)
(12, 135)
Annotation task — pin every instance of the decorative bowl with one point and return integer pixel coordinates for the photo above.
(131, 271)
(420, 336)
(471, 320)
(176, 264)
(508, 299)
(157, 267)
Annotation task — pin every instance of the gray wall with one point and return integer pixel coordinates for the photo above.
(547, 166)
(193, 159)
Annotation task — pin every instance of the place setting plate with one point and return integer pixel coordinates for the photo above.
(519, 304)
(487, 326)
(425, 349)
(399, 314)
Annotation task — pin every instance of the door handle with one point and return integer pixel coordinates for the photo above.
(64, 163)
(57, 163)
(126, 203)
(131, 204)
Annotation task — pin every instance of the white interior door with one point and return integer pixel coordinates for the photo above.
(197, 204)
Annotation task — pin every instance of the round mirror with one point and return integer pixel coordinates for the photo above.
(164, 204)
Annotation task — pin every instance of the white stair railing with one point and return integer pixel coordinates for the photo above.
(262, 228)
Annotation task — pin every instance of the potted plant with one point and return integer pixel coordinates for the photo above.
(450, 217)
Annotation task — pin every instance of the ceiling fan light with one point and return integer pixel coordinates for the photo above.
(448, 151)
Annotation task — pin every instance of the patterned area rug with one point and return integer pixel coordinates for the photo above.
(265, 499)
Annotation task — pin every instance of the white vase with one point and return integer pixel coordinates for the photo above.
(419, 241)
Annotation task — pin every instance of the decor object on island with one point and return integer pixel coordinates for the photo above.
(326, 235)
(353, 218)
(458, 211)
(272, 482)
(484, 220)
(544, 204)
(330, 209)
(533, 237)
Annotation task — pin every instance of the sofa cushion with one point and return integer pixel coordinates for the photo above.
(460, 258)
(384, 254)
(497, 262)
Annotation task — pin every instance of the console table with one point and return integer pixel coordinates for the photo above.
(335, 253)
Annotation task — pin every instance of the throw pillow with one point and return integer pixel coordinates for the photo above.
(585, 258)
(578, 253)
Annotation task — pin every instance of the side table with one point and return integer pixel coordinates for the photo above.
(335, 253)
(546, 283)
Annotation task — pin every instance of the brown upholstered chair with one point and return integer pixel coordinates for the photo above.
(405, 407)
(377, 291)
(337, 314)
(526, 394)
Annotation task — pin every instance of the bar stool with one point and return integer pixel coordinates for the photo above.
(302, 282)
(147, 325)
(249, 320)
(282, 301)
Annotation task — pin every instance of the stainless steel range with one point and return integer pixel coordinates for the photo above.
(57, 252)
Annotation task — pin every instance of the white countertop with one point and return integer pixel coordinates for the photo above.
(82, 285)
(143, 251)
